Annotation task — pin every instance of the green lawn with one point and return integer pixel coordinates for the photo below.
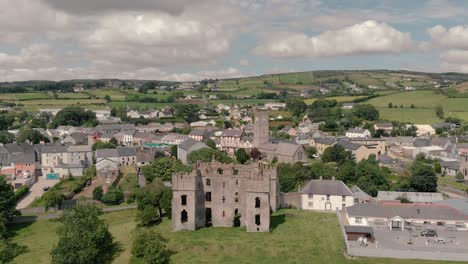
(297, 237)
(339, 99)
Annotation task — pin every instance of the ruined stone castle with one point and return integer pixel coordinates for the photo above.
(225, 195)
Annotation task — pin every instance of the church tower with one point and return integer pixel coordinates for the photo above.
(261, 129)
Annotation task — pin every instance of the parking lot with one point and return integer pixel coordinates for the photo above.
(35, 191)
(455, 241)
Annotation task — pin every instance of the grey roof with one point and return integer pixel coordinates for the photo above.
(189, 143)
(83, 148)
(115, 127)
(3, 150)
(106, 153)
(126, 151)
(53, 149)
(459, 204)
(13, 148)
(287, 149)
(232, 133)
(348, 144)
(441, 142)
(359, 229)
(386, 125)
(356, 130)
(415, 197)
(325, 140)
(198, 132)
(360, 194)
(387, 160)
(421, 142)
(452, 165)
(326, 187)
(145, 155)
(103, 163)
(414, 211)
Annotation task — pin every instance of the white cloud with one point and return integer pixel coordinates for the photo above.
(364, 38)
(455, 37)
(37, 55)
(442, 9)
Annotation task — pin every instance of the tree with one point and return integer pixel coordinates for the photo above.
(390, 105)
(52, 198)
(241, 156)
(152, 201)
(366, 112)
(164, 168)
(423, 177)
(74, 116)
(439, 111)
(149, 247)
(7, 200)
(97, 193)
(371, 178)
(459, 176)
(113, 196)
(6, 137)
(173, 150)
(297, 106)
(83, 237)
(207, 154)
(311, 152)
(107, 98)
(336, 153)
(255, 154)
(103, 145)
(114, 141)
(437, 167)
(32, 136)
(210, 143)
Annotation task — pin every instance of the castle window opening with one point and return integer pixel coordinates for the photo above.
(183, 216)
(183, 199)
(208, 196)
(257, 202)
(257, 219)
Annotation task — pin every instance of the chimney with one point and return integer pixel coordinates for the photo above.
(321, 178)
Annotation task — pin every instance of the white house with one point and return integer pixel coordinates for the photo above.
(326, 195)
(358, 133)
(423, 130)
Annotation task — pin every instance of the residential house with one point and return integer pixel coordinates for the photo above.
(360, 196)
(140, 138)
(450, 168)
(107, 169)
(198, 134)
(326, 195)
(77, 139)
(115, 128)
(145, 156)
(423, 130)
(322, 143)
(464, 164)
(188, 146)
(124, 156)
(174, 138)
(59, 161)
(230, 140)
(348, 106)
(287, 130)
(284, 152)
(359, 151)
(401, 216)
(385, 127)
(358, 133)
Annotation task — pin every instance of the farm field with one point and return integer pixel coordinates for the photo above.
(424, 103)
(114, 94)
(242, 101)
(339, 99)
(34, 105)
(293, 240)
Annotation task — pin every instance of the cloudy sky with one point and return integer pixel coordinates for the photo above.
(194, 39)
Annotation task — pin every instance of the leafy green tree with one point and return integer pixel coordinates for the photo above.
(439, 111)
(311, 152)
(113, 196)
(152, 201)
(164, 168)
(437, 167)
(52, 198)
(423, 177)
(459, 176)
(390, 105)
(206, 155)
(97, 193)
(107, 98)
(6, 137)
(74, 116)
(371, 177)
(241, 156)
(114, 141)
(32, 135)
(103, 145)
(6, 121)
(366, 112)
(7, 200)
(173, 150)
(83, 237)
(296, 106)
(336, 153)
(149, 247)
(210, 143)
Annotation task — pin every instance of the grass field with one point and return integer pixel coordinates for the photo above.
(113, 93)
(424, 103)
(339, 99)
(297, 237)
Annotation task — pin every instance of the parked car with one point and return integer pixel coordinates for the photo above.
(88, 183)
(429, 233)
(46, 188)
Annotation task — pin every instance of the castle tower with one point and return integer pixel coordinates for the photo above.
(261, 129)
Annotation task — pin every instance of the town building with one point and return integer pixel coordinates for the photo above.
(326, 195)
(464, 164)
(358, 133)
(225, 195)
(414, 197)
(188, 146)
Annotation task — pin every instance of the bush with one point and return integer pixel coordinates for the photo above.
(113, 196)
(97, 193)
(20, 192)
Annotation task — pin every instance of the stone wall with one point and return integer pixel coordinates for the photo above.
(290, 200)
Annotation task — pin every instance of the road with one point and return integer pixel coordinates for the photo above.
(35, 191)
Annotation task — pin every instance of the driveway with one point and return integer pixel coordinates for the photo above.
(35, 191)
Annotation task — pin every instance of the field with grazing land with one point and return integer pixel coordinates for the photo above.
(295, 239)
(114, 94)
(339, 99)
(424, 104)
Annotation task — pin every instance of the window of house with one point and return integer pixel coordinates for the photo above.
(184, 199)
(220, 171)
(427, 222)
(440, 223)
(343, 198)
(224, 199)
(257, 202)
(257, 220)
(358, 220)
(311, 204)
(237, 182)
(235, 171)
(208, 196)
(311, 196)
(224, 214)
(328, 197)
(183, 216)
(208, 182)
(343, 206)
